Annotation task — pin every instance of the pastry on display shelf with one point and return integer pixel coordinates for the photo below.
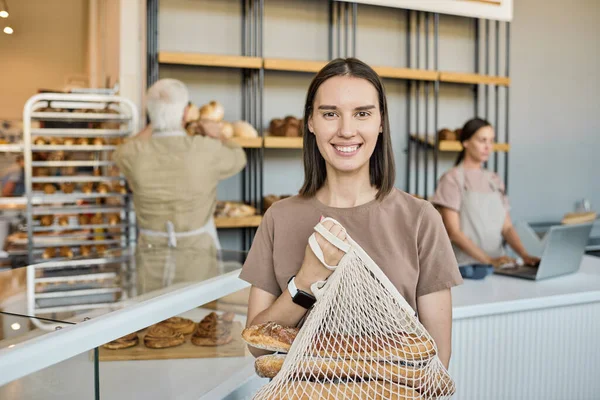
(123, 342)
(69, 141)
(192, 113)
(98, 141)
(87, 187)
(39, 141)
(160, 337)
(447, 134)
(46, 220)
(214, 330)
(63, 220)
(82, 141)
(102, 188)
(55, 141)
(49, 188)
(97, 219)
(243, 129)
(227, 130)
(118, 187)
(66, 252)
(114, 219)
(67, 187)
(83, 219)
(290, 126)
(85, 250)
(233, 209)
(48, 253)
(181, 325)
(101, 249)
(213, 111)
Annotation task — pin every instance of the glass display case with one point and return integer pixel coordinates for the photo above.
(133, 347)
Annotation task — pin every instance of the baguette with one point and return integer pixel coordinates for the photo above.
(401, 346)
(318, 368)
(373, 390)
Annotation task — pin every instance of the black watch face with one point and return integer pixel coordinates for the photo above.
(304, 299)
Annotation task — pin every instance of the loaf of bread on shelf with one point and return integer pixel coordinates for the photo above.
(289, 126)
(46, 220)
(85, 250)
(82, 141)
(49, 188)
(98, 141)
(63, 220)
(233, 209)
(67, 187)
(447, 134)
(192, 113)
(227, 130)
(243, 129)
(69, 141)
(213, 111)
(48, 253)
(39, 141)
(66, 252)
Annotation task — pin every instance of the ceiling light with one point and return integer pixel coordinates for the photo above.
(3, 9)
(8, 30)
(16, 326)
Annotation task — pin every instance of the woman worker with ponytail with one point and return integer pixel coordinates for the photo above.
(474, 207)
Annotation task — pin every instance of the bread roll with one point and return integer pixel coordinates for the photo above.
(244, 129)
(63, 220)
(49, 188)
(227, 130)
(69, 141)
(85, 250)
(123, 342)
(66, 252)
(304, 390)
(447, 134)
(50, 252)
(212, 111)
(67, 187)
(192, 113)
(275, 127)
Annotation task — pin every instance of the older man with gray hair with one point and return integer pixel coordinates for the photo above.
(174, 178)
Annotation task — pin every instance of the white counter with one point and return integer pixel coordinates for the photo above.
(499, 294)
(512, 339)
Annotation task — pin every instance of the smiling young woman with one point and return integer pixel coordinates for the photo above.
(349, 176)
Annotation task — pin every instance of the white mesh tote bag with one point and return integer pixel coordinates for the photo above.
(361, 340)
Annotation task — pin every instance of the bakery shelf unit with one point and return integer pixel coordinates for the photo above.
(78, 205)
(422, 75)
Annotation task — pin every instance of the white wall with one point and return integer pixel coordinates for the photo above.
(555, 107)
(48, 47)
(553, 94)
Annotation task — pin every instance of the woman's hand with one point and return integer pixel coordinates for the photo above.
(499, 261)
(530, 260)
(312, 269)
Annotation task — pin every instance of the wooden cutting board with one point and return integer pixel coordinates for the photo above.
(236, 348)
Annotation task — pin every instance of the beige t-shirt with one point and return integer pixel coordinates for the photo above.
(405, 236)
(175, 178)
(449, 191)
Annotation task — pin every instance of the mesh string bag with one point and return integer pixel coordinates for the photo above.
(361, 340)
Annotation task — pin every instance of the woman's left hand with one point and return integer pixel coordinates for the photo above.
(530, 260)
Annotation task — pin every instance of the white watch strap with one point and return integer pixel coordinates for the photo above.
(292, 287)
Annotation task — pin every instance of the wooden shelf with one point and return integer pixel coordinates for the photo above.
(457, 77)
(210, 60)
(454, 145)
(251, 143)
(238, 222)
(280, 142)
(406, 73)
(283, 64)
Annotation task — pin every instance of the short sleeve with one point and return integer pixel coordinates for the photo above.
(502, 189)
(438, 268)
(448, 193)
(259, 268)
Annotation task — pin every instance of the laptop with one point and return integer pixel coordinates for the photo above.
(563, 249)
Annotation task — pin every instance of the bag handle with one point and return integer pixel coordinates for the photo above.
(331, 238)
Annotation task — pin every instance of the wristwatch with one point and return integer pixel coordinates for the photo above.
(300, 297)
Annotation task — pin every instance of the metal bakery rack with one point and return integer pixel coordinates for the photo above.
(78, 204)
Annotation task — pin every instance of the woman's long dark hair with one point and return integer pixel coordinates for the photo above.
(382, 169)
(468, 130)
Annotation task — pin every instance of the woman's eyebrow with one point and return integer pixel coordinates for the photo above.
(360, 108)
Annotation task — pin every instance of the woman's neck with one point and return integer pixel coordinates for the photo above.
(469, 163)
(347, 190)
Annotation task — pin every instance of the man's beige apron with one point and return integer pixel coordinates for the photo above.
(482, 216)
(167, 257)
